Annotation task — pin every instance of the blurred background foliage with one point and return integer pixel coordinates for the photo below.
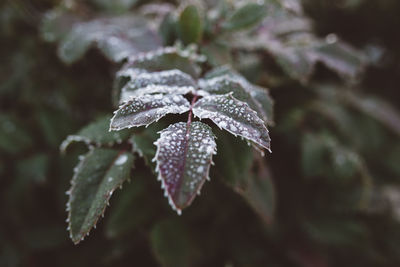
(328, 195)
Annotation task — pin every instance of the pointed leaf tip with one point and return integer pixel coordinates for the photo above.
(233, 116)
(184, 155)
(96, 177)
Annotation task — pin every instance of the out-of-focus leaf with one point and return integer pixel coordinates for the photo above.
(167, 58)
(117, 37)
(168, 30)
(146, 109)
(132, 208)
(234, 116)
(96, 177)
(217, 53)
(97, 133)
(116, 6)
(190, 25)
(376, 108)
(13, 136)
(34, 168)
(171, 244)
(183, 159)
(244, 17)
(234, 160)
(259, 192)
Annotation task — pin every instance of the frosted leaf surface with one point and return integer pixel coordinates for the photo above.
(146, 109)
(96, 177)
(167, 58)
(96, 134)
(242, 90)
(165, 82)
(172, 77)
(183, 157)
(126, 95)
(233, 116)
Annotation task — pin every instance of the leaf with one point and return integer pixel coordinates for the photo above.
(234, 159)
(14, 138)
(233, 116)
(259, 192)
(164, 82)
(245, 17)
(257, 97)
(184, 155)
(117, 37)
(96, 177)
(143, 144)
(129, 211)
(171, 244)
(116, 6)
(166, 58)
(190, 25)
(95, 134)
(146, 109)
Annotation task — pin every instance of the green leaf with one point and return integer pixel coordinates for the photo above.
(143, 144)
(168, 30)
(245, 17)
(132, 208)
(190, 25)
(96, 134)
(234, 116)
(184, 155)
(116, 6)
(96, 177)
(234, 160)
(171, 245)
(146, 109)
(117, 37)
(259, 193)
(13, 136)
(257, 97)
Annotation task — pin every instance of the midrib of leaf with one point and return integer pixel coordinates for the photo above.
(187, 139)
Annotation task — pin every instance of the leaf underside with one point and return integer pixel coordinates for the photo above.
(96, 177)
(233, 116)
(183, 157)
(146, 109)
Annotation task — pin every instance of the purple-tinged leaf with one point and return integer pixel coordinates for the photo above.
(233, 116)
(96, 177)
(146, 109)
(184, 155)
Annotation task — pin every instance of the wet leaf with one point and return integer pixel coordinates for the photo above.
(96, 133)
(146, 109)
(184, 155)
(96, 177)
(233, 116)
